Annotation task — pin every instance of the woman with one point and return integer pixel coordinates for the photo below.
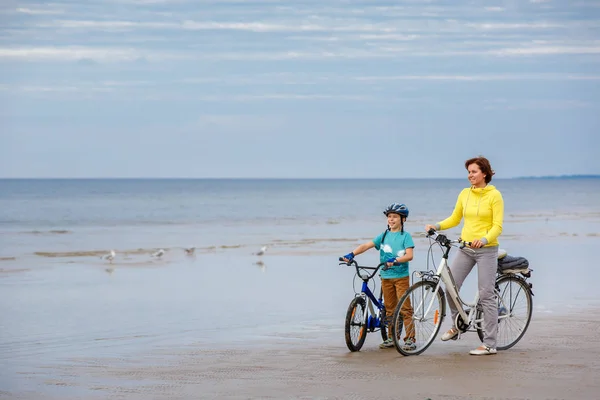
(482, 208)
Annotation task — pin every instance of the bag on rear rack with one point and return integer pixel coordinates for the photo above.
(513, 265)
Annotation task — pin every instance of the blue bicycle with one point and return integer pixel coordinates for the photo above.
(365, 312)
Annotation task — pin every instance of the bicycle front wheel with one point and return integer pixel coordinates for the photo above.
(418, 318)
(356, 330)
(515, 306)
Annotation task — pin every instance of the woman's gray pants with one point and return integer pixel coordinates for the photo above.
(487, 265)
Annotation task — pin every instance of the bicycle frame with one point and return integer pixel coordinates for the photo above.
(444, 275)
(423, 308)
(368, 295)
(366, 292)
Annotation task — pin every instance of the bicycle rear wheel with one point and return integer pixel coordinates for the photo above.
(515, 306)
(355, 328)
(420, 312)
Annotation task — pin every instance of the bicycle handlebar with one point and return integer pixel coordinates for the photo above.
(444, 241)
(359, 267)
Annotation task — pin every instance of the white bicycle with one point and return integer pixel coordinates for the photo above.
(424, 306)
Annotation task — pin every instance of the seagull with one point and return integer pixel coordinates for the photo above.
(159, 253)
(110, 256)
(190, 251)
(262, 251)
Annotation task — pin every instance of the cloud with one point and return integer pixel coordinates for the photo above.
(169, 89)
(63, 89)
(292, 96)
(546, 50)
(273, 31)
(253, 26)
(130, 54)
(264, 97)
(478, 78)
(157, 92)
(107, 25)
(39, 11)
(401, 28)
(140, 54)
(514, 26)
(537, 104)
(126, 83)
(117, 54)
(237, 122)
(322, 55)
(79, 53)
(395, 37)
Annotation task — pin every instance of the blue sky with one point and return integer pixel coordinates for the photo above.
(273, 88)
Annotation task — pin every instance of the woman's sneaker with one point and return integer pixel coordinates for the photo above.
(483, 351)
(450, 334)
(387, 344)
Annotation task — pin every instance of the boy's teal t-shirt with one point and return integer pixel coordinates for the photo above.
(395, 242)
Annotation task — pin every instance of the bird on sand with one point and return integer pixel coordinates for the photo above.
(110, 256)
(159, 253)
(261, 251)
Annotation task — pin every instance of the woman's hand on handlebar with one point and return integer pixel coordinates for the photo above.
(429, 228)
(476, 244)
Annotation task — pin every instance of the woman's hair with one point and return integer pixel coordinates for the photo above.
(484, 166)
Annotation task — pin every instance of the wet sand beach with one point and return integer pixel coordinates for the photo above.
(559, 358)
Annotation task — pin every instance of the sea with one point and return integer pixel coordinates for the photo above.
(61, 300)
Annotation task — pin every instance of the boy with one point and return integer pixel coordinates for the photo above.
(396, 250)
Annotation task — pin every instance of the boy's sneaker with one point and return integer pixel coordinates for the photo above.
(387, 344)
(450, 334)
(409, 345)
(483, 351)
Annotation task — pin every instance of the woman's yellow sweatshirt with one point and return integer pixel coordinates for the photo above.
(483, 211)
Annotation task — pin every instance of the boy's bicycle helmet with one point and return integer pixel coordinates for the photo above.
(397, 208)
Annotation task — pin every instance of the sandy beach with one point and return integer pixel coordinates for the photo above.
(559, 358)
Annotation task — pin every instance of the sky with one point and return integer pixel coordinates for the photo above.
(298, 89)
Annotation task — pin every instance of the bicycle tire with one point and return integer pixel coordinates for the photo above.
(504, 340)
(352, 322)
(384, 326)
(423, 337)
